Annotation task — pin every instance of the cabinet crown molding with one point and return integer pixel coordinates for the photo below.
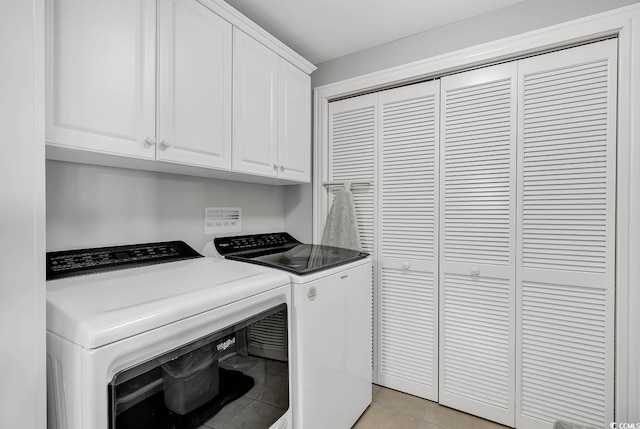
(254, 30)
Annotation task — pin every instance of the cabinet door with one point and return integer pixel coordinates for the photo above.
(477, 262)
(294, 123)
(255, 80)
(566, 237)
(408, 237)
(101, 75)
(194, 85)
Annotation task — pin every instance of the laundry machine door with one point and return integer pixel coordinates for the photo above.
(215, 380)
(194, 372)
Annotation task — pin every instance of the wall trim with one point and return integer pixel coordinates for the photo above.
(623, 23)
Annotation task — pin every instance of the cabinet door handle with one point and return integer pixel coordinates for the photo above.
(475, 271)
(406, 265)
(276, 166)
(166, 144)
(282, 168)
(151, 141)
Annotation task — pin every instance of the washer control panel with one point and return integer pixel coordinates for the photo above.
(70, 263)
(251, 243)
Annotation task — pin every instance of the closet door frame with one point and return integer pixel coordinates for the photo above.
(623, 23)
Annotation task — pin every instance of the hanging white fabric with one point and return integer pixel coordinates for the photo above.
(341, 229)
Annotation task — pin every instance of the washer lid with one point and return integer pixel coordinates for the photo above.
(99, 309)
(302, 259)
(280, 250)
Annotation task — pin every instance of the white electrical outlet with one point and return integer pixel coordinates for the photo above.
(222, 219)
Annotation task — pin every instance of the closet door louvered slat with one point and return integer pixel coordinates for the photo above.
(566, 227)
(477, 227)
(352, 155)
(408, 193)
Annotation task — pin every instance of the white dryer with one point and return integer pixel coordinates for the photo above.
(331, 322)
(162, 344)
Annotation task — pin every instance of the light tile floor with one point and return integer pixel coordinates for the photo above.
(391, 409)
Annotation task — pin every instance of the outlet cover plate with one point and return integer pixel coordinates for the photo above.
(222, 219)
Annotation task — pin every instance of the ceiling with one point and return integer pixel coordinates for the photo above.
(321, 30)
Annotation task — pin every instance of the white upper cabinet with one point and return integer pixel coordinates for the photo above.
(272, 109)
(134, 82)
(102, 80)
(255, 69)
(101, 63)
(294, 123)
(194, 85)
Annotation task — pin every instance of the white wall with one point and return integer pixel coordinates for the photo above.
(90, 205)
(517, 19)
(22, 286)
(298, 212)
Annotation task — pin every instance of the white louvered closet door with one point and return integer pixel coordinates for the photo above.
(352, 156)
(477, 237)
(566, 233)
(352, 142)
(408, 246)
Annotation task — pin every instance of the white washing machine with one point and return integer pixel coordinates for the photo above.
(331, 322)
(162, 345)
